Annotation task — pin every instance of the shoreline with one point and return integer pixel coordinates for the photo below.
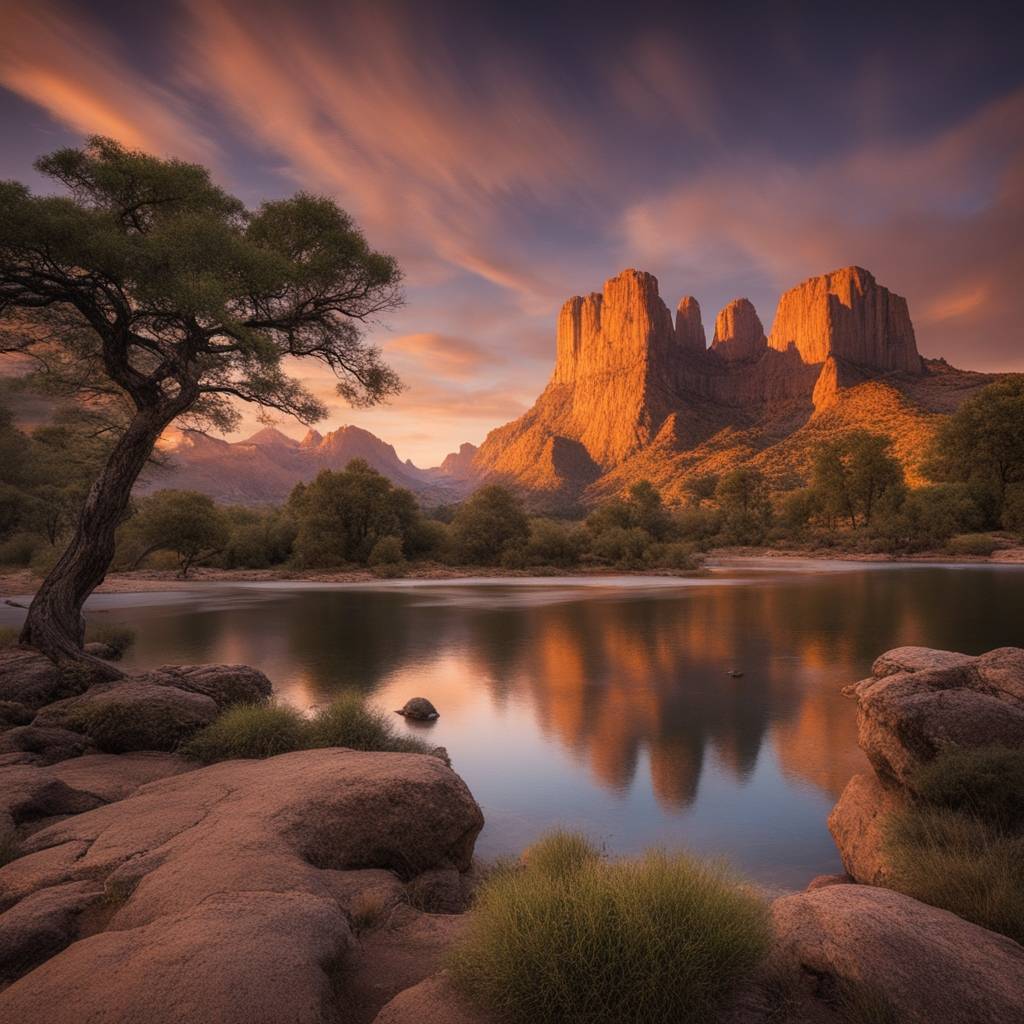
(23, 582)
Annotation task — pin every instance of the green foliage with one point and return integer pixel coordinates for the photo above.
(185, 522)
(853, 475)
(1012, 517)
(560, 854)
(960, 844)
(742, 497)
(984, 782)
(978, 544)
(678, 555)
(700, 488)
(490, 526)
(387, 551)
(349, 722)
(554, 542)
(960, 864)
(342, 516)
(250, 731)
(982, 444)
(8, 637)
(257, 540)
(571, 938)
(265, 730)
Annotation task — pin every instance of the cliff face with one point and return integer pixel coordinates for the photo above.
(848, 315)
(634, 393)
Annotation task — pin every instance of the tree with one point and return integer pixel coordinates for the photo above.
(742, 496)
(150, 287)
(185, 522)
(700, 488)
(490, 525)
(853, 474)
(982, 444)
(342, 516)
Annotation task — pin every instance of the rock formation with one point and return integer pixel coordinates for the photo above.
(917, 703)
(739, 336)
(634, 396)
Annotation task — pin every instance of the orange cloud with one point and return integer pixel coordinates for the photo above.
(71, 69)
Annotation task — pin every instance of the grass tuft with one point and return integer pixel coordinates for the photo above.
(573, 938)
(264, 730)
(961, 864)
(118, 638)
(249, 731)
(8, 637)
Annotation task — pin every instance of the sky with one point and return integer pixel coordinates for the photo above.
(512, 155)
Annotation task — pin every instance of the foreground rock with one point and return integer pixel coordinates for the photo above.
(156, 710)
(917, 703)
(229, 886)
(32, 680)
(928, 964)
(433, 1000)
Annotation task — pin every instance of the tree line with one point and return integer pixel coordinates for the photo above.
(856, 498)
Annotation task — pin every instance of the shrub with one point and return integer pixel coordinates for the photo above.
(8, 637)
(981, 544)
(961, 864)
(19, 549)
(559, 854)
(348, 722)
(573, 938)
(119, 638)
(623, 547)
(387, 551)
(676, 555)
(250, 731)
(984, 782)
(554, 543)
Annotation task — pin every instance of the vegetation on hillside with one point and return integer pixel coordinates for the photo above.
(856, 498)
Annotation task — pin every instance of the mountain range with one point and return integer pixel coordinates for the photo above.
(639, 394)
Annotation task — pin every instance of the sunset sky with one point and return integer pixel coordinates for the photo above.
(512, 155)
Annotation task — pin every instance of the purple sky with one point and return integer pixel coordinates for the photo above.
(512, 155)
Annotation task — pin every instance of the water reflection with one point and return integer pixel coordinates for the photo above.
(614, 706)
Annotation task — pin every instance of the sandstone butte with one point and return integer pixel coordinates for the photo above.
(634, 395)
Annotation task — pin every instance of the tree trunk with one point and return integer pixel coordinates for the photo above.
(55, 624)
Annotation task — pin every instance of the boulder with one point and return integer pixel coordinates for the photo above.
(929, 964)
(223, 684)
(48, 743)
(98, 649)
(419, 709)
(13, 712)
(132, 714)
(739, 335)
(42, 924)
(433, 1000)
(918, 702)
(226, 879)
(857, 824)
(823, 881)
(30, 678)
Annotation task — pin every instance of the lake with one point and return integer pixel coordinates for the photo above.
(606, 704)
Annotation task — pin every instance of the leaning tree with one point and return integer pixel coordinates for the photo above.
(149, 291)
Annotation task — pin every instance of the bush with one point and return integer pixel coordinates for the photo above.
(553, 542)
(250, 731)
(19, 549)
(972, 544)
(961, 864)
(8, 637)
(387, 551)
(348, 722)
(983, 782)
(623, 547)
(676, 555)
(573, 938)
(119, 638)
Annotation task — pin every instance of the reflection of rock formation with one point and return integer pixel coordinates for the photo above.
(619, 681)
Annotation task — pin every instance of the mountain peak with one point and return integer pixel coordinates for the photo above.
(739, 335)
(271, 436)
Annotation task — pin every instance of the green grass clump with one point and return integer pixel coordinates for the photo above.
(349, 722)
(8, 637)
(118, 638)
(961, 864)
(576, 939)
(250, 731)
(264, 730)
(984, 782)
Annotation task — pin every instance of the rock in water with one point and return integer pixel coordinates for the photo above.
(420, 709)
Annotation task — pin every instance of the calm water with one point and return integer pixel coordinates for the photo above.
(606, 704)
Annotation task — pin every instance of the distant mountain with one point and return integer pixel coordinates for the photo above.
(263, 468)
(634, 395)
